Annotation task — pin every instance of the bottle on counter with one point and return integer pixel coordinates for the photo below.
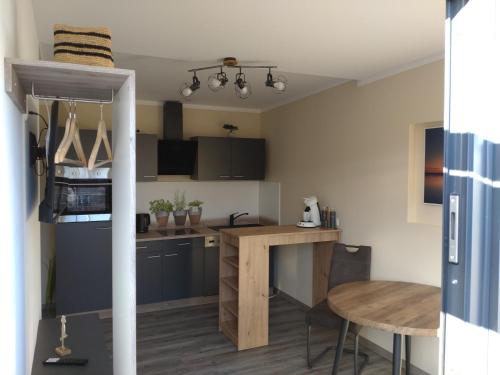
(333, 219)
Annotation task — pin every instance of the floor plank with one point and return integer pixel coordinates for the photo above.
(187, 341)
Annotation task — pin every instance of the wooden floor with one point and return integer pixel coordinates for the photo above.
(187, 341)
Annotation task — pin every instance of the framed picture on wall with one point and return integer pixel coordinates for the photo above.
(434, 158)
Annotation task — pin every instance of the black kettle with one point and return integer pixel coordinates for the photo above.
(142, 222)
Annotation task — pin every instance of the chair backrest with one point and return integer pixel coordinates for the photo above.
(349, 263)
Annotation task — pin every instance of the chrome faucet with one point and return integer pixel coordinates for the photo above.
(234, 216)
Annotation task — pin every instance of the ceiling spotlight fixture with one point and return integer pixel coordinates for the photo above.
(187, 89)
(241, 86)
(218, 81)
(279, 84)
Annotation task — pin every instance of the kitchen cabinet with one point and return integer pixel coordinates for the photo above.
(176, 274)
(227, 158)
(149, 275)
(169, 270)
(211, 271)
(146, 157)
(248, 158)
(83, 267)
(197, 254)
(213, 159)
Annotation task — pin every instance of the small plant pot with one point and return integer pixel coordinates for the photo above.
(180, 217)
(195, 215)
(162, 218)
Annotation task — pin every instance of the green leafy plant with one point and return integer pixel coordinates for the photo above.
(160, 205)
(195, 203)
(180, 201)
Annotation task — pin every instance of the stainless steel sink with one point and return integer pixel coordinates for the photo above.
(219, 227)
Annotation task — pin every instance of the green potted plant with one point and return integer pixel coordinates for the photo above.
(195, 210)
(161, 209)
(180, 211)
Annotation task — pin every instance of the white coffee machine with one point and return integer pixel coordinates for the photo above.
(311, 217)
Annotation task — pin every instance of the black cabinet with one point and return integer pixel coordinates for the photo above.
(169, 270)
(213, 159)
(83, 267)
(146, 157)
(248, 158)
(197, 267)
(229, 158)
(211, 271)
(176, 274)
(149, 280)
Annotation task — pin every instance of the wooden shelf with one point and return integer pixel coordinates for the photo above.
(232, 261)
(230, 329)
(231, 306)
(231, 281)
(57, 79)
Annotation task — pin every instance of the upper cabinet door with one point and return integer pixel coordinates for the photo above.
(146, 154)
(248, 159)
(213, 159)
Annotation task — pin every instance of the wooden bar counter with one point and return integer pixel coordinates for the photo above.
(244, 276)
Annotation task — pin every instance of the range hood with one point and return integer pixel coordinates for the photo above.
(175, 155)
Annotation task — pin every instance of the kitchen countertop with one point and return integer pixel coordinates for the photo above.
(174, 232)
(270, 230)
(199, 230)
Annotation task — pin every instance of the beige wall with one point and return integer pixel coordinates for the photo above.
(349, 146)
(197, 122)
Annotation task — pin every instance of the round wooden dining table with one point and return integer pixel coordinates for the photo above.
(404, 309)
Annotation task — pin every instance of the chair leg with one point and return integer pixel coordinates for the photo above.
(356, 350)
(311, 361)
(308, 345)
(340, 346)
(358, 368)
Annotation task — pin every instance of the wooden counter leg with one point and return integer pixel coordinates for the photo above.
(322, 256)
(253, 291)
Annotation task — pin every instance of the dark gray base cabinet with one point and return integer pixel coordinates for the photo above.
(83, 267)
(211, 272)
(169, 270)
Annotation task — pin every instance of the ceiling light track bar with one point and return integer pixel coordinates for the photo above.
(69, 99)
(221, 66)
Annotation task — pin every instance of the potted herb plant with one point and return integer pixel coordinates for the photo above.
(161, 209)
(195, 210)
(180, 211)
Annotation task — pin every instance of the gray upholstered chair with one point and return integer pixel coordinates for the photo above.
(349, 263)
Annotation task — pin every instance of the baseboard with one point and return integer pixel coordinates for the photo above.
(167, 305)
(363, 341)
(289, 298)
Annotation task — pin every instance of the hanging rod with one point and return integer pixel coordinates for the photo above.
(69, 99)
(233, 67)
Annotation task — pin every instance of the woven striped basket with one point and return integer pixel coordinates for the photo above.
(83, 45)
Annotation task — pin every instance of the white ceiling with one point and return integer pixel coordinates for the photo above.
(316, 44)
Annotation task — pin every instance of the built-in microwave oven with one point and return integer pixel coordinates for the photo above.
(81, 194)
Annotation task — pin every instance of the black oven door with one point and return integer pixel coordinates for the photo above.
(83, 199)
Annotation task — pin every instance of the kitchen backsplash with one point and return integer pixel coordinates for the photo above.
(220, 198)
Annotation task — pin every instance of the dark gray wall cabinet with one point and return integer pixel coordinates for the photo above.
(230, 158)
(83, 267)
(146, 157)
